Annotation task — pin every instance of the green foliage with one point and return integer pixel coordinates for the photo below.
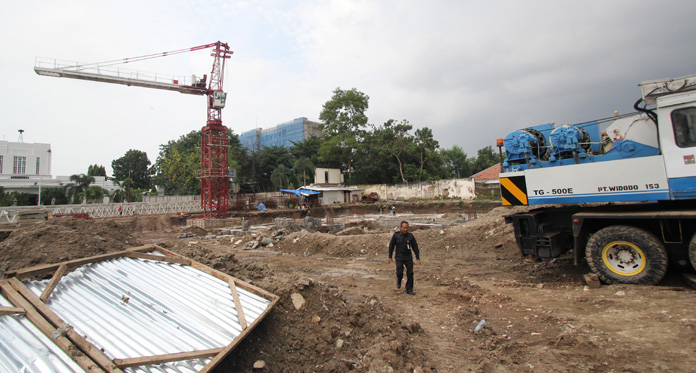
(304, 167)
(427, 146)
(135, 165)
(279, 177)
(343, 129)
(396, 139)
(177, 163)
(77, 187)
(270, 159)
(386, 154)
(48, 195)
(95, 194)
(13, 198)
(96, 170)
(456, 162)
(307, 148)
(485, 158)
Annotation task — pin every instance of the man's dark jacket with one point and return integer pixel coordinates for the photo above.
(404, 244)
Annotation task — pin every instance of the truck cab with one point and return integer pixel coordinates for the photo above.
(620, 192)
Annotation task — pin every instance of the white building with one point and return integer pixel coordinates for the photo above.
(328, 177)
(26, 168)
(23, 161)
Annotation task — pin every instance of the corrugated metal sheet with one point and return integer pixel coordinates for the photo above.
(137, 307)
(24, 348)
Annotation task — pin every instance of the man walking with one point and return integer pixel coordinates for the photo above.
(404, 243)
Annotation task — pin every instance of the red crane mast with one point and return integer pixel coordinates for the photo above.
(214, 173)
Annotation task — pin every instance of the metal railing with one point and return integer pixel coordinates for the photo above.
(117, 72)
(11, 214)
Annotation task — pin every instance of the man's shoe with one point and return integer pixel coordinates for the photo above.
(398, 285)
(411, 292)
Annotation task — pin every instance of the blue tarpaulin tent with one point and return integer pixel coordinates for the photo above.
(299, 192)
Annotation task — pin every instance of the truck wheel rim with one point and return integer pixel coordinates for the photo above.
(623, 258)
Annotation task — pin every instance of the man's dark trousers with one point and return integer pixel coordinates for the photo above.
(409, 273)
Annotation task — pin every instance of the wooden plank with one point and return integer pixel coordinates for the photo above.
(161, 258)
(92, 351)
(72, 264)
(219, 357)
(221, 275)
(60, 272)
(237, 304)
(47, 328)
(10, 310)
(158, 359)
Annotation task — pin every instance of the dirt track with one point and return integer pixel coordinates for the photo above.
(540, 317)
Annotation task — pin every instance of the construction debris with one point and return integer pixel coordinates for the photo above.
(149, 316)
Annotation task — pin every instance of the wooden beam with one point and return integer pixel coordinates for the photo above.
(10, 310)
(60, 272)
(237, 304)
(219, 357)
(161, 258)
(91, 350)
(47, 328)
(159, 359)
(221, 275)
(72, 264)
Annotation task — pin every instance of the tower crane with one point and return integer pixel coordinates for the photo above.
(214, 173)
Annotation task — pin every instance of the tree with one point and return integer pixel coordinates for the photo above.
(177, 164)
(77, 187)
(456, 162)
(96, 170)
(485, 158)
(95, 193)
(53, 196)
(395, 138)
(279, 177)
(13, 198)
(270, 158)
(426, 146)
(344, 120)
(135, 165)
(307, 148)
(304, 166)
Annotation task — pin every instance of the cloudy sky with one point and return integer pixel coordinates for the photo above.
(470, 70)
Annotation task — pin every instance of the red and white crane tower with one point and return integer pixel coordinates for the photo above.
(214, 173)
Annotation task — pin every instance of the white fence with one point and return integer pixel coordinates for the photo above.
(10, 214)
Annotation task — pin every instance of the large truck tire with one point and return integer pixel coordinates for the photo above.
(626, 255)
(692, 251)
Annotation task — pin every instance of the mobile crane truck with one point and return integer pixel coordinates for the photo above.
(622, 190)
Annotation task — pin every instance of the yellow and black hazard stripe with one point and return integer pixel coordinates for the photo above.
(513, 191)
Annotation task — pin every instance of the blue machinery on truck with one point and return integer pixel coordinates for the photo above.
(622, 190)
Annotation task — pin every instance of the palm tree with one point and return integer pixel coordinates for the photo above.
(126, 191)
(304, 166)
(279, 177)
(77, 187)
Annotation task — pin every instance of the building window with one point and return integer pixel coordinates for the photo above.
(684, 125)
(20, 166)
(38, 165)
(2, 158)
(326, 177)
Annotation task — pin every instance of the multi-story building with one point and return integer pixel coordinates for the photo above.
(283, 134)
(24, 161)
(26, 168)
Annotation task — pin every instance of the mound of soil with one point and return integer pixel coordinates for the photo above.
(330, 333)
(62, 239)
(347, 335)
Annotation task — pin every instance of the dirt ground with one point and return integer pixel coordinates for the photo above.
(540, 316)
